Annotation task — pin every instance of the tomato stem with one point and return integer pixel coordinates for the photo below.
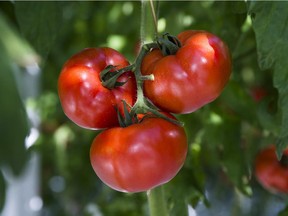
(142, 105)
(156, 202)
(147, 77)
(155, 19)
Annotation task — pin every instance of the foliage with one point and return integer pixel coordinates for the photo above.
(14, 123)
(224, 136)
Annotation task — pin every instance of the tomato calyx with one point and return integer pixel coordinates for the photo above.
(109, 76)
(142, 106)
(128, 118)
(168, 44)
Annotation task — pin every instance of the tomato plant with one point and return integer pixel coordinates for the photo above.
(192, 77)
(270, 172)
(141, 156)
(83, 97)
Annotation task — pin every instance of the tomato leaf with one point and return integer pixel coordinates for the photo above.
(225, 136)
(184, 189)
(2, 191)
(268, 119)
(40, 23)
(13, 124)
(238, 101)
(269, 20)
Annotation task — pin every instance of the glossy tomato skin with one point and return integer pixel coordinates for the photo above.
(83, 98)
(139, 157)
(270, 173)
(193, 77)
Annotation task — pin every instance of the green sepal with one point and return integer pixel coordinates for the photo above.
(128, 118)
(119, 84)
(110, 75)
(168, 44)
(106, 73)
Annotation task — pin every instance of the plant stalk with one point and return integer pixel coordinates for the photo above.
(155, 19)
(157, 202)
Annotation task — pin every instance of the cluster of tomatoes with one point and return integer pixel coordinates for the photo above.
(142, 146)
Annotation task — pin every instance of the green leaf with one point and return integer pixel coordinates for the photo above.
(13, 124)
(40, 22)
(2, 191)
(239, 101)
(270, 22)
(18, 49)
(225, 136)
(268, 119)
(186, 188)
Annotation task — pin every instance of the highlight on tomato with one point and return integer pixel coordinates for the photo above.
(83, 97)
(141, 156)
(271, 173)
(191, 77)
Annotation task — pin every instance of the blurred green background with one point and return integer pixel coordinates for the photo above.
(36, 38)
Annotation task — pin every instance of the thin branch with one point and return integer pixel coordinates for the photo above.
(155, 18)
(143, 21)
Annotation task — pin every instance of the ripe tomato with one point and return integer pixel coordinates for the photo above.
(139, 157)
(84, 100)
(258, 93)
(191, 78)
(271, 173)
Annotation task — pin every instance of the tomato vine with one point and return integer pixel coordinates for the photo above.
(170, 75)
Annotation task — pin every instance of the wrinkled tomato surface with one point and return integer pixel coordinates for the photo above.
(191, 78)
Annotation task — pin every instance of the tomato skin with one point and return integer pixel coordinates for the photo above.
(83, 98)
(139, 157)
(191, 78)
(270, 173)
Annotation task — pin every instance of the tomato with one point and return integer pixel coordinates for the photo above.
(84, 100)
(270, 172)
(191, 78)
(258, 93)
(139, 157)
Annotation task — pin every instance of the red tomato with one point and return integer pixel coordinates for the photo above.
(84, 100)
(258, 93)
(191, 78)
(271, 173)
(139, 157)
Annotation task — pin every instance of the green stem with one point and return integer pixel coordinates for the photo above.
(143, 22)
(148, 25)
(142, 105)
(156, 202)
(155, 19)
